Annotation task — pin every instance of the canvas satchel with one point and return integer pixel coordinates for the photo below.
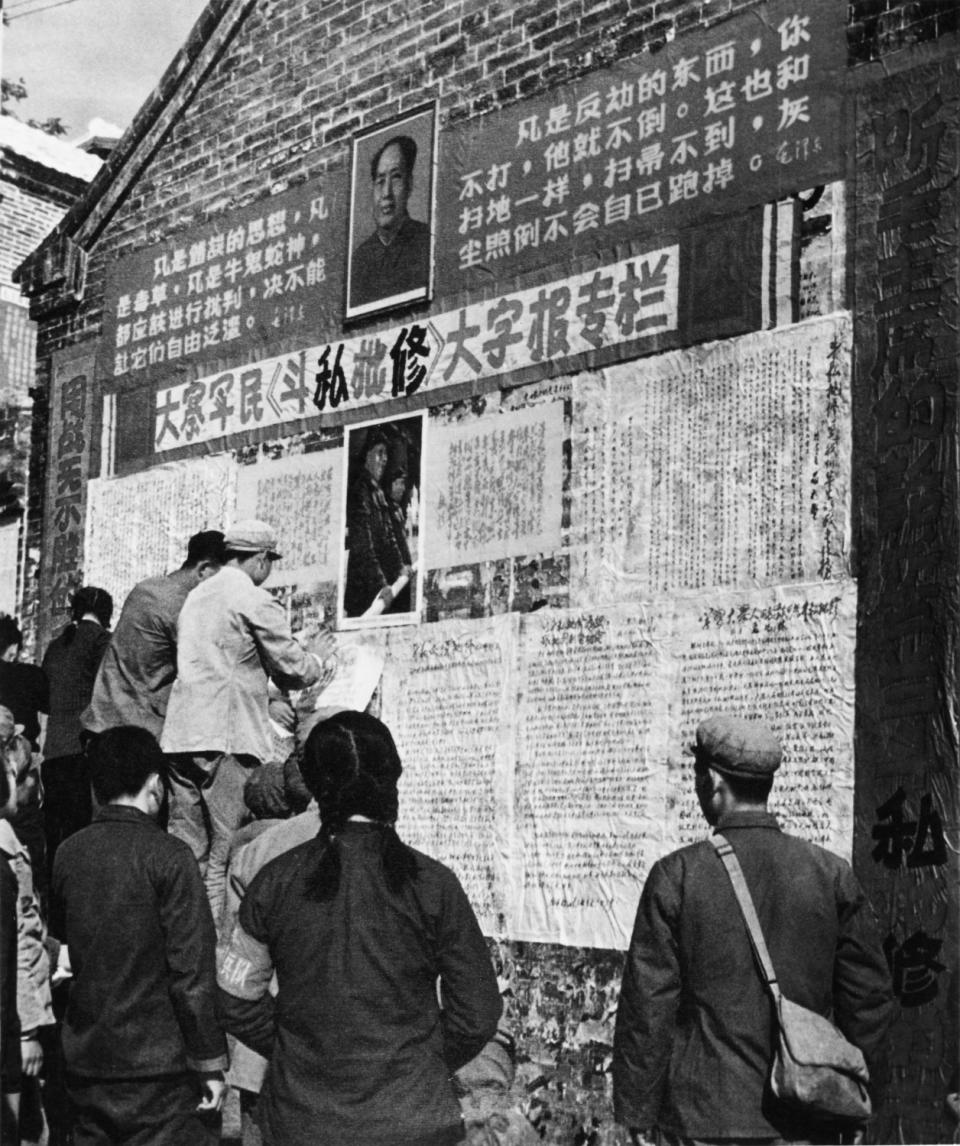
(815, 1070)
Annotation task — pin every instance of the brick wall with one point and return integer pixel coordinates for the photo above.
(27, 219)
(281, 104)
(33, 200)
(278, 108)
(879, 27)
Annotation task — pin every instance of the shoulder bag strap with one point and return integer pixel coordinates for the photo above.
(729, 857)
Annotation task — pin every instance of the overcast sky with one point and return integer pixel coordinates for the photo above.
(87, 58)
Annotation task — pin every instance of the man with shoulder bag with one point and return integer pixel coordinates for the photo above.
(756, 996)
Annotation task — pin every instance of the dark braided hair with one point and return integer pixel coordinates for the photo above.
(89, 599)
(351, 765)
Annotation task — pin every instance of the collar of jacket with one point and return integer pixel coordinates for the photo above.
(123, 813)
(362, 827)
(747, 820)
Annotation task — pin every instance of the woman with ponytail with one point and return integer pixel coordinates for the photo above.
(384, 983)
(71, 662)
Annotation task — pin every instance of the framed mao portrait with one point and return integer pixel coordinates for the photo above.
(381, 554)
(393, 185)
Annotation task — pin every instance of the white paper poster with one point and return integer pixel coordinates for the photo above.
(720, 465)
(300, 496)
(590, 783)
(785, 656)
(447, 699)
(494, 487)
(545, 756)
(138, 526)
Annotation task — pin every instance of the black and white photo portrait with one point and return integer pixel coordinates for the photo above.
(383, 508)
(391, 214)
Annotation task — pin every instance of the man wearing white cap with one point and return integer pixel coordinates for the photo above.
(232, 637)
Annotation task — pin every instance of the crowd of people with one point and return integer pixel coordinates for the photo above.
(203, 887)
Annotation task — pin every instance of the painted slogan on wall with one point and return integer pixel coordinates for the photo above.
(263, 275)
(905, 396)
(68, 471)
(740, 113)
(717, 122)
(630, 302)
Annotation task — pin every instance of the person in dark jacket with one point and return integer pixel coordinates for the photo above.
(395, 489)
(695, 1027)
(23, 687)
(144, 1052)
(71, 663)
(385, 985)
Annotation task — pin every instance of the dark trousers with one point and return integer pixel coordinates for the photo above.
(160, 1111)
(67, 801)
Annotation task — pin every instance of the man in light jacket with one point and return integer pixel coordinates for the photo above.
(232, 638)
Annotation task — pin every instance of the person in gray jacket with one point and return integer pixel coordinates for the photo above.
(695, 1027)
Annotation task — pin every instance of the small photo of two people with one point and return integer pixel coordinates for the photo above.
(383, 519)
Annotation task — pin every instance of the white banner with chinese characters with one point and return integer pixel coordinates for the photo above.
(624, 302)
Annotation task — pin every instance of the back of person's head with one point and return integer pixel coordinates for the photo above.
(122, 760)
(205, 546)
(749, 789)
(351, 766)
(90, 599)
(10, 634)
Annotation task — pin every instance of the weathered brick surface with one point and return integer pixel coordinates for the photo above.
(283, 100)
(33, 200)
(879, 27)
(279, 107)
(27, 218)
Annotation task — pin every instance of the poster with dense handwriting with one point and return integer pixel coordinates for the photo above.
(300, 496)
(138, 526)
(494, 487)
(546, 756)
(725, 464)
(448, 698)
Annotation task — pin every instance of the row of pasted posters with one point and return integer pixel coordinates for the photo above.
(722, 465)
(546, 756)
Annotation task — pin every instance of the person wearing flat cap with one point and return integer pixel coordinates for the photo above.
(232, 637)
(695, 1028)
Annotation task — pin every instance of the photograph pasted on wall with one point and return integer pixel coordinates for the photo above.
(382, 522)
(391, 214)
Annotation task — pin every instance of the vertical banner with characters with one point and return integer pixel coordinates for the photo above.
(68, 469)
(905, 406)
